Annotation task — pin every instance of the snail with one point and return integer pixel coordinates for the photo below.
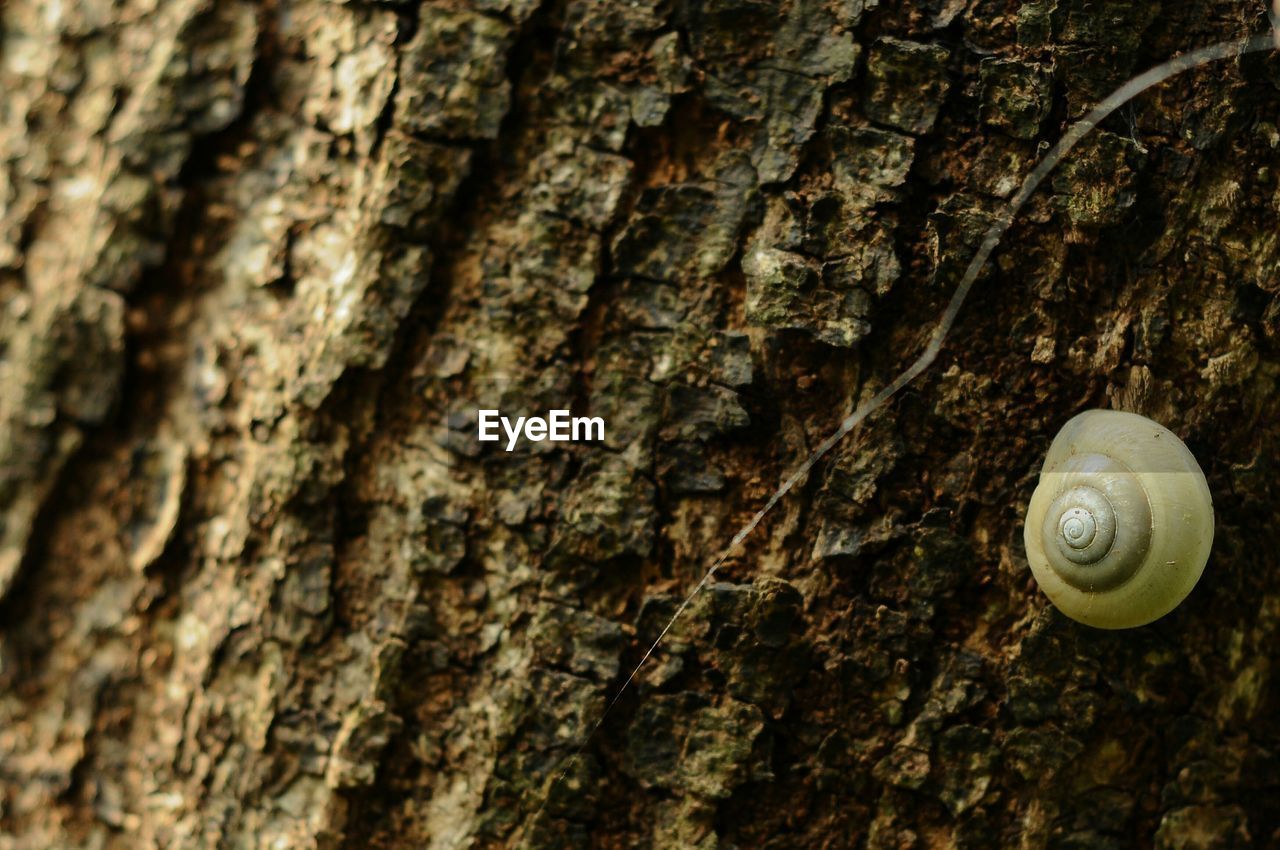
(1120, 524)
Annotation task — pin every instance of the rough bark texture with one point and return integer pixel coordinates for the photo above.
(261, 262)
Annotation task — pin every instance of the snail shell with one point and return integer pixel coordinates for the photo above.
(1121, 522)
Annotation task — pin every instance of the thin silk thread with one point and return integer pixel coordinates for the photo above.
(1118, 98)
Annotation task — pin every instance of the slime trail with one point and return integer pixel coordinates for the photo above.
(1118, 98)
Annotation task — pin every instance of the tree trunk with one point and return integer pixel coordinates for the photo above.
(261, 265)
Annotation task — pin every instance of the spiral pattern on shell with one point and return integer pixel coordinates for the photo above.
(1121, 522)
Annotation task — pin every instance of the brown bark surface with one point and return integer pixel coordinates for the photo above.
(261, 263)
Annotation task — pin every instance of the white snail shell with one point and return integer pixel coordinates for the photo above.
(1120, 525)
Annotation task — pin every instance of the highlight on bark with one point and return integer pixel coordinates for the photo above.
(1077, 132)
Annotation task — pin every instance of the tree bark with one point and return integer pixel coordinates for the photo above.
(261, 264)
